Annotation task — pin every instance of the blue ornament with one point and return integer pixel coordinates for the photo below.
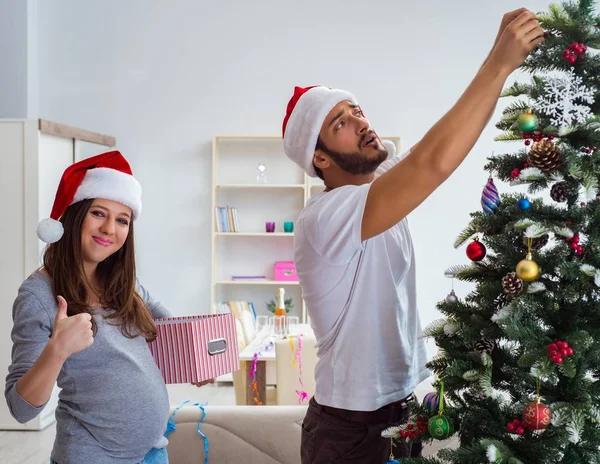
(490, 200)
(392, 461)
(524, 204)
(431, 402)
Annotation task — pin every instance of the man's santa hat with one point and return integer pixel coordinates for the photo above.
(305, 114)
(106, 176)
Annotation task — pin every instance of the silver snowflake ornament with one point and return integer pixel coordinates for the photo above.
(566, 100)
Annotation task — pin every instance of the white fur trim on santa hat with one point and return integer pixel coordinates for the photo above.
(50, 230)
(304, 125)
(111, 184)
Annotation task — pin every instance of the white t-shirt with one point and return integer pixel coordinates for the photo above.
(361, 298)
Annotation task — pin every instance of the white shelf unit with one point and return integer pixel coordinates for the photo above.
(253, 251)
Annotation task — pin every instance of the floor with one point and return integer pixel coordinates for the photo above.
(34, 447)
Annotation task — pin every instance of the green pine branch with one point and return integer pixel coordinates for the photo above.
(465, 235)
(508, 136)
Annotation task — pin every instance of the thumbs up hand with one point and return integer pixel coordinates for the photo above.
(71, 334)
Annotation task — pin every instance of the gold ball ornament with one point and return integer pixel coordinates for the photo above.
(527, 269)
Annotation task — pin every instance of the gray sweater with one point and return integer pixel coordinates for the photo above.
(113, 406)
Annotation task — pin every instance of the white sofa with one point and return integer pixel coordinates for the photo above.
(245, 434)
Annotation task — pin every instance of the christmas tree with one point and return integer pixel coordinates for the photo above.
(518, 369)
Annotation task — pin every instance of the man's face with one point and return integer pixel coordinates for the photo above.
(347, 138)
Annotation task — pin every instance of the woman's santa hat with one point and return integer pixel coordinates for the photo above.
(106, 176)
(305, 114)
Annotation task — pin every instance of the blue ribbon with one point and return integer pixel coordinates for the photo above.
(171, 426)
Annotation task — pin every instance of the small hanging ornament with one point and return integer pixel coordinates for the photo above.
(575, 52)
(392, 460)
(575, 245)
(512, 284)
(560, 192)
(524, 204)
(537, 416)
(490, 200)
(476, 250)
(559, 350)
(431, 402)
(440, 427)
(516, 426)
(527, 269)
(485, 345)
(545, 156)
(527, 122)
(451, 298)
(499, 302)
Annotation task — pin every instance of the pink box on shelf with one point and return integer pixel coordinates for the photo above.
(195, 348)
(285, 271)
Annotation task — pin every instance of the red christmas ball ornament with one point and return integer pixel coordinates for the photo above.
(537, 416)
(515, 173)
(527, 142)
(511, 427)
(476, 250)
(520, 430)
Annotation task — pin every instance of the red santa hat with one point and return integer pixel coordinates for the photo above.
(106, 176)
(305, 114)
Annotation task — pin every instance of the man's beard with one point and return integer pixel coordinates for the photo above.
(354, 163)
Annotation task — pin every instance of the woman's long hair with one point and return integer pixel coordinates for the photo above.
(63, 260)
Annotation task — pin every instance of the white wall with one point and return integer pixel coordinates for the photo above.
(164, 77)
(13, 56)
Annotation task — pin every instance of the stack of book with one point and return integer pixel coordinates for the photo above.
(236, 307)
(227, 219)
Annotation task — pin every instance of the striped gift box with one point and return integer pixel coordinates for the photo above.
(195, 348)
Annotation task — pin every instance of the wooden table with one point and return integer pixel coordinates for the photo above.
(261, 345)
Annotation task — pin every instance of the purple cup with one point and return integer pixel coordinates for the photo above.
(270, 226)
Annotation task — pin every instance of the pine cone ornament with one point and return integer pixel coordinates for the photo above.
(520, 241)
(559, 192)
(512, 284)
(545, 156)
(485, 345)
(499, 302)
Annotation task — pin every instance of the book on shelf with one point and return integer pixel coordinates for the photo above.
(237, 307)
(227, 219)
(249, 277)
(223, 308)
